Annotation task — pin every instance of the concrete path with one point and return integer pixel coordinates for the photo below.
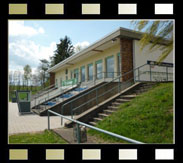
(28, 123)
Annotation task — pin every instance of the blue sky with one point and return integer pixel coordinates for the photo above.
(30, 41)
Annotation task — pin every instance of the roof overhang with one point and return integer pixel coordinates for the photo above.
(99, 46)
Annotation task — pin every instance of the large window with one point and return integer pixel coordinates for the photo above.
(82, 73)
(90, 71)
(110, 67)
(76, 74)
(119, 63)
(99, 74)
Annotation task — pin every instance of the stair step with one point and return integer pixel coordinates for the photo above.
(109, 111)
(140, 91)
(102, 115)
(122, 100)
(97, 119)
(93, 123)
(112, 107)
(116, 103)
(128, 96)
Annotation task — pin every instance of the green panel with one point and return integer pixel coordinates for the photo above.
(109, 57)
(99, 61)
(69, 82)
(91, 64)
(82, 67)
(118, 54)
(76, 70)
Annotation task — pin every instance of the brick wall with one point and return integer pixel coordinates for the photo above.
(126, 50)
(52, 78)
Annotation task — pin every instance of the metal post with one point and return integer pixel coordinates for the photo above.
(45, 105)
(119, 85)
(62, 114)
(96, 96)
(78, 134)
(71, 111)
(48, 120)
(167, 73)
(150, 72)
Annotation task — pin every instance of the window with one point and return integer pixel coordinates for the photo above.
(82, 73)
(90, 71)
(119, 64)
(110, 67)
(66, 71)
(99, 74)
(76, 74)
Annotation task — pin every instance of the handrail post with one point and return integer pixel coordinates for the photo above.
(119, 85)
(71, 111)
(167, 73)
(96, 96)
(78, 133)
(150, 72)
(138, 74)
(48, 120)
(62, 108)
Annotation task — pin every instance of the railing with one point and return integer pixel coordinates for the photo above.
(60, 90)
(136, 75)
(42, 91)
(54, 95)
(91, 127)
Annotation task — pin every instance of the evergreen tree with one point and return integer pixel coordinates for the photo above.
(64, 50)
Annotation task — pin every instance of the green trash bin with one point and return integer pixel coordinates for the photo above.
(23, 101)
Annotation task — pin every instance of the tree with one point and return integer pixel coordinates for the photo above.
(64, 50)
(42, 70)
(156, 32)
(11, 78)
(27, 73)
(35, 80)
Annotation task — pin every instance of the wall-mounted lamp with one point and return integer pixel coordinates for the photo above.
(113, 40)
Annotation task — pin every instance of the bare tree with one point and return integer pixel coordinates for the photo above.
(35, 80)
(42, 70)
(27, 74)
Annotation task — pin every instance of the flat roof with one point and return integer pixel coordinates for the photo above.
(98, 46)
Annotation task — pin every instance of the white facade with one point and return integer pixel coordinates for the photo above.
(141, 56)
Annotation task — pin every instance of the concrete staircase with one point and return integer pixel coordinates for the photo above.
(114, 105)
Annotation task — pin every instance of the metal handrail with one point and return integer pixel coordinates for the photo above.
(38, 93)
(73, 110)
(54, 95)
(119, 77)
(92, 127)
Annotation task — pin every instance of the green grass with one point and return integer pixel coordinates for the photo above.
(45, 137)
(147, 118)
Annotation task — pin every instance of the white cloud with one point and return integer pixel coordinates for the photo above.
(18, 28)
(81, 45)
(22, 52)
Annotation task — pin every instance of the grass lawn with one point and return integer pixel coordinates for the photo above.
(45, 137)
(147, 118)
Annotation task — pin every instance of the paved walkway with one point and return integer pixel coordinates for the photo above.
(29, 123)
